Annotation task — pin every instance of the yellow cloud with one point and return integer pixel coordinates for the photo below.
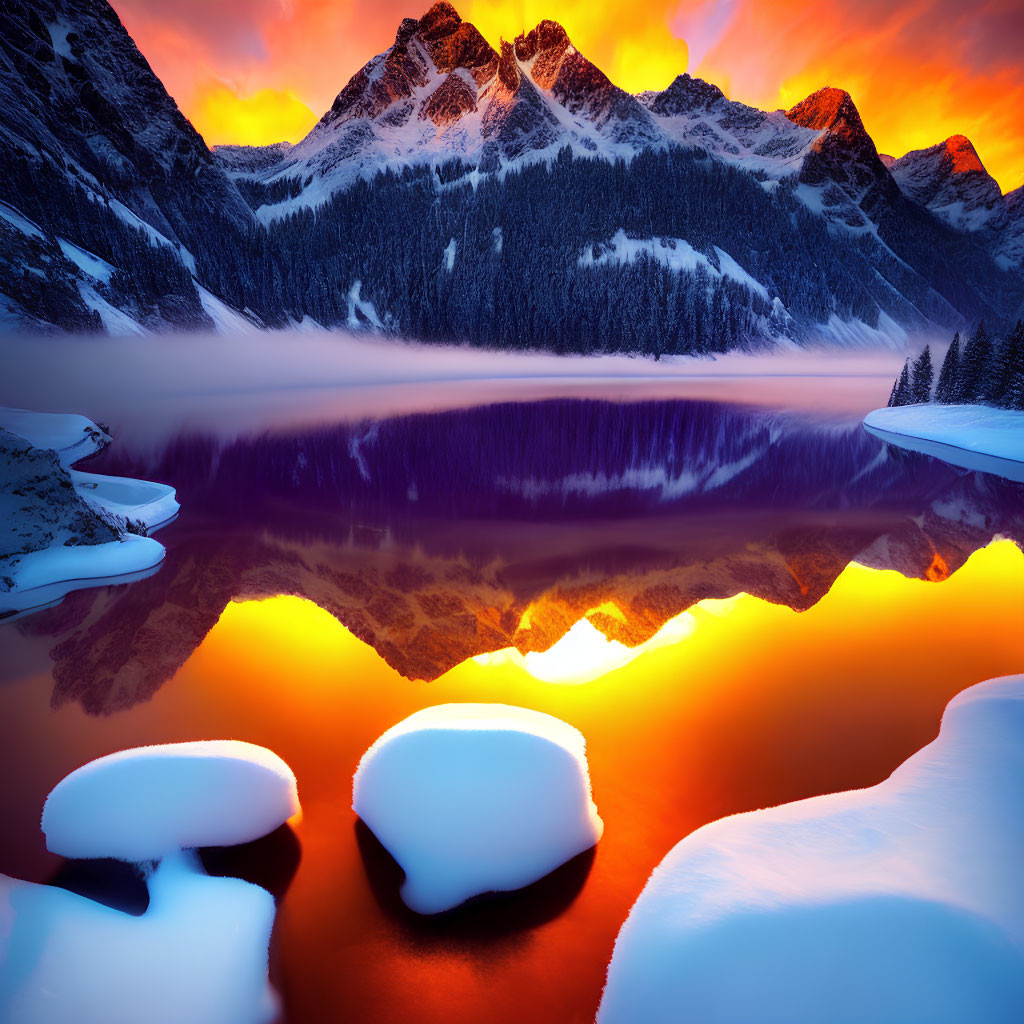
(221, 116)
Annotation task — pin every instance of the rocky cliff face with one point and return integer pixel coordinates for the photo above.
(115, 216)
(96, 152)
(951, 181)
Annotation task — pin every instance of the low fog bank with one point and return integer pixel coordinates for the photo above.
(226, 384)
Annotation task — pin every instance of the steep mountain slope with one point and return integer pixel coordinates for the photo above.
(455, 192)
(442, 91)
(951, 181)
(120, 200)
(1011, 240)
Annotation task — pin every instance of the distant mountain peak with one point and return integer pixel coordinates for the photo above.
(950, 180)
(545, 44)
(440, 17)
(962, 155)
(685, 95)
(829, 109)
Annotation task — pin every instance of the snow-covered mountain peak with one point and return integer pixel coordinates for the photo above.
(422, 63)
(685, 95)
(829, 109)
(545, 46)
(962, 155)
(442, 91)
(950, 180)
(842, 163)
(591, 99)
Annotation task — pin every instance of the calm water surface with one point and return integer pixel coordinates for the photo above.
(773, 606)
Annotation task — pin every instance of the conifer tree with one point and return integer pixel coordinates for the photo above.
(901, 393)
(921, 378)
(946, 389)
(974, 367)
(1014, 397)
(1006, 358)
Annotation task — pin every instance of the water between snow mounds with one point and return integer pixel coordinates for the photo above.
(716, 557)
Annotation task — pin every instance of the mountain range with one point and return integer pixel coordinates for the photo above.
(514, 198)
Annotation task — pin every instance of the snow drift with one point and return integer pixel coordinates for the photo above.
(143, 803)
(899, 904)
(198, 955)
(476, 798)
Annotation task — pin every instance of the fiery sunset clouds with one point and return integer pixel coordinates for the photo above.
(260, 71)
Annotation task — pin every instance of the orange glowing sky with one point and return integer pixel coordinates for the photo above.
(259, 71)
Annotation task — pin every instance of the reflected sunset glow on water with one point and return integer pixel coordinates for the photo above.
(735, 704)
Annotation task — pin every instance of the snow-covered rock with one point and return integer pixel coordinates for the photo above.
(899, 904)
(143, 803)
(60, 529)
(152, 504)
(198, 955)
(72, 437)
(476, 798)
(972, 436)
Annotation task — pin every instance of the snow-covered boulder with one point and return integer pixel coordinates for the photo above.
(143, 803)
(899, 904)
(70, 436)
(476, 798)
(197, 956)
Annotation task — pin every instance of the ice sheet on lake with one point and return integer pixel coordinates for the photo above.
(972, 436)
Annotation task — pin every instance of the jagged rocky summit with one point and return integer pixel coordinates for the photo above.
(511, 197)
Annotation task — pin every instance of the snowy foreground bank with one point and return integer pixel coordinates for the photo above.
(899, 904)
(64, 529)
(973, 436)
(199, 952)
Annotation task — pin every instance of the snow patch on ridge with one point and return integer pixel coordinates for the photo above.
(20, 222)
(675, 253)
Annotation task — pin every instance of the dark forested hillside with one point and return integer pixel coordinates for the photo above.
(516, 260)
(641, 227)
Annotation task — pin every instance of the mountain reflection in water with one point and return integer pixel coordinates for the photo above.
(438, 537)
(425, 541)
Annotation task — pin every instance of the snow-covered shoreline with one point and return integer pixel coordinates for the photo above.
(972, 436)
(44, 576)
(842, 907)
